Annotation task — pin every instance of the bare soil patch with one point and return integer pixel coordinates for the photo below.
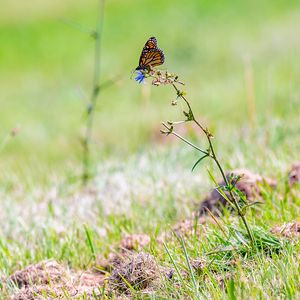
(294, 174)
(289, 230)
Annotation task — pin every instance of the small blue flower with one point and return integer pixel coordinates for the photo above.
(140, 77)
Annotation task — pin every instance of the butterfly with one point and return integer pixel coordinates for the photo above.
(151, 55)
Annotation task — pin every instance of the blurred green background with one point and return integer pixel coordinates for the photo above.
(229, 54)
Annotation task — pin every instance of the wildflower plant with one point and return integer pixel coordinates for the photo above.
(229, 191)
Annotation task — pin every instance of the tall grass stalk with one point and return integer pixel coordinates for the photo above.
(86, 159)
(189, 266)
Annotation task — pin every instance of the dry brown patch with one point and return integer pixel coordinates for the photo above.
(89, 279)
(130, 243)
(42, 292)
(45, 272)
(186, 228)
(113, 260)
(139, 271)
(192, 226)
(250, 185)
(289, 230)
(294, 174)
(50, 280)
(135, 241)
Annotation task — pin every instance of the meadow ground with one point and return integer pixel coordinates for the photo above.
(231, 56)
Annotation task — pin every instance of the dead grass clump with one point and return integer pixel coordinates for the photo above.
(113, 261)
(294, 174)
(289, 230)
(50, 280)
(130, 243)
(42, 292)
(139, 272)
(250, 185)
(45, 272)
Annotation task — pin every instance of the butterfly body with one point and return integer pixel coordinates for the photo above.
(151, 55)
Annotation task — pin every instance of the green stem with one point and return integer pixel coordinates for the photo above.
(185, 140)
(94, 95)
(214, 157)
(230, 191)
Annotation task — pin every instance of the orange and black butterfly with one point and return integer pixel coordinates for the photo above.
(151, 55)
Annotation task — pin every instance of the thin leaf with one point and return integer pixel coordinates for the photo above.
(90, 241)
(174, 263)
(198, 161)
(189, 265)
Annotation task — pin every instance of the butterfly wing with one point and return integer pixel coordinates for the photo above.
(151, 55)
(151, 43)
(151, 58)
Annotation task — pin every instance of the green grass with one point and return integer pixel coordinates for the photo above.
(142, 185)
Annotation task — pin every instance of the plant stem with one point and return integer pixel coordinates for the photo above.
(170, 131)
(94, 95)
(216, 160)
